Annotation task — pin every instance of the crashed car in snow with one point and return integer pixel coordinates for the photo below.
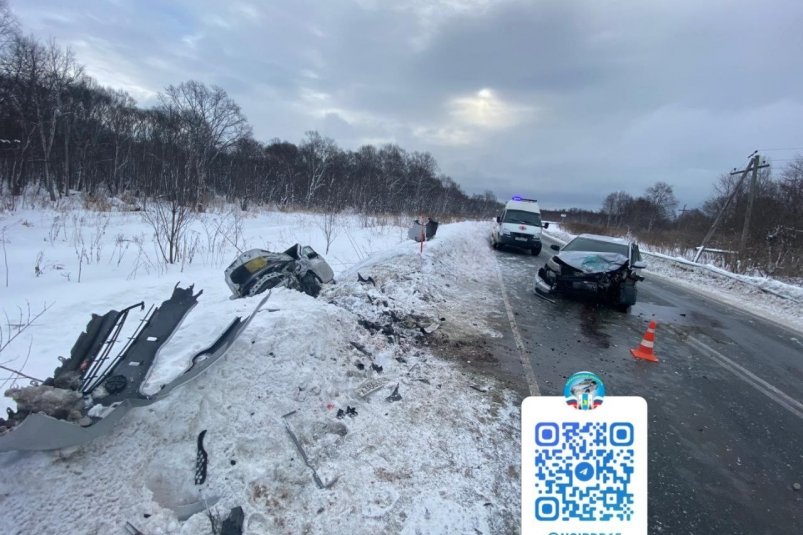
(299, 268)
(600, 266)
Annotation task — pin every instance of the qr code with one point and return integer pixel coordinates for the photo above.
(584, 470)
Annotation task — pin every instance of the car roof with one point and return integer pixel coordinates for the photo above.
(609, 239)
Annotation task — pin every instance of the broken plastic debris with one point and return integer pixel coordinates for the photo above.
(395, 396)
(431, 328)
(369, 386)
(369, 279)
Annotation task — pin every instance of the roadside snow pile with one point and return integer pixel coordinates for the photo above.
(413, 293)
(79, 263)
(443, 458)
(774, 300)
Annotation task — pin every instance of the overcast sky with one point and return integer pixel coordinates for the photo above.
(564, 101)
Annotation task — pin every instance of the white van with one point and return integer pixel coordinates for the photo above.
(519, 225)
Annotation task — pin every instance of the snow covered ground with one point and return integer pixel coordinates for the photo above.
(444, 458)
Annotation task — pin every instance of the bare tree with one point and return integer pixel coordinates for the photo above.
(9, 27)
(328, 225)
(316, 153)
(170, 221)
(211, 122)
(615, 205)
(663, 198)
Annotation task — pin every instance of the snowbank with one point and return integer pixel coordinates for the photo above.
(444, 458)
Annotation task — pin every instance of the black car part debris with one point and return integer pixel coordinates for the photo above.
(36, 432)
(299, 268)
(361, 348)
(425, 231)
(394, 396)
(131, 529)
(233, 524)
(201, 459)
(91, 350)
(369, 279)
(130, 368)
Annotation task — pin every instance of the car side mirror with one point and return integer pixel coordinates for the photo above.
(546, 225)
(554, 247)
(639, 264)
(499, 219)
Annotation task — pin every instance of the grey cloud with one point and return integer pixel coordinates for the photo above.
(625, 93)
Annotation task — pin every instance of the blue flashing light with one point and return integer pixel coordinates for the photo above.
(517, 197)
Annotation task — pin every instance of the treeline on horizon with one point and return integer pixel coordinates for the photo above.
(61, 132)
(773, 243)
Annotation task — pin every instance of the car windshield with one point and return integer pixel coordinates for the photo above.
(597, 246)
(520, 216)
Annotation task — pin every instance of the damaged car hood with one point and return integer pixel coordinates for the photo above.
(591, 262)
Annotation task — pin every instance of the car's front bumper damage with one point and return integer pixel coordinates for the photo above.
(616, 286)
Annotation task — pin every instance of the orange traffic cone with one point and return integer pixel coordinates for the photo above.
(644, 350)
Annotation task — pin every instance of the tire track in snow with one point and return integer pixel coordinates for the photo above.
(532, 383)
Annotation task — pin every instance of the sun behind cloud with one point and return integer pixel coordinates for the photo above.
(486, 109)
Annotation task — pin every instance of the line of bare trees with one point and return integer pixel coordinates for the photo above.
(775, 234)
(61, 132)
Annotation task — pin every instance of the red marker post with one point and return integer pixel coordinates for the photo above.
(423, 236)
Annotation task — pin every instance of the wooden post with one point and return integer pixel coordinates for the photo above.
(750, 199)
(724, 208)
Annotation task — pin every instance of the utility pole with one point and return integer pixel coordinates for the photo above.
(725, 206)
(679, 218)
(752, 166)
(750, 199)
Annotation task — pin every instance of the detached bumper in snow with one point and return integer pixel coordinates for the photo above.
(38, 432)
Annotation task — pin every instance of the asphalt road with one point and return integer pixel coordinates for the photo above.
(726, 423)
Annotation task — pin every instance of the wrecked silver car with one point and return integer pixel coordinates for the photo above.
(299, 268)
(602, 267)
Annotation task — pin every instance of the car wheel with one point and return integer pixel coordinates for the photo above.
(311, 284)
(536, 250)
(266, 281)
(494, 244)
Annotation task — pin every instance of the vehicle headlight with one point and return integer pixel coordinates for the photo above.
(554, 266)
